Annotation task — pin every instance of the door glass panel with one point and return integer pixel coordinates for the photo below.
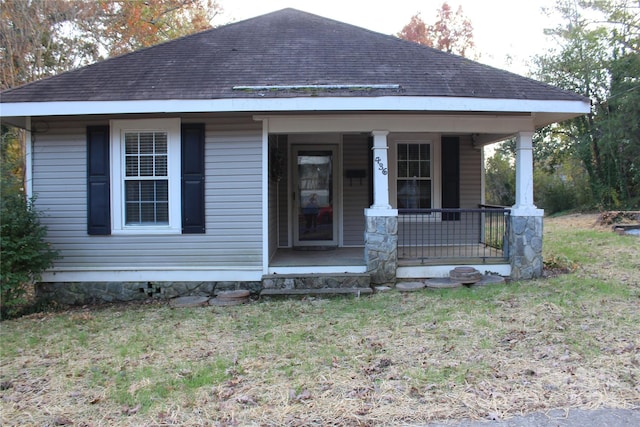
(315, 190)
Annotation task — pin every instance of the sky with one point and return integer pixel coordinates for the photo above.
(507, 33)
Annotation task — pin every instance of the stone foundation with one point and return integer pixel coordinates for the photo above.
(525, 245)
(316, 281)
(381, 249)
(74, 293)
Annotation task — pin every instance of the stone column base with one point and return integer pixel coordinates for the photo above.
(381, 249)
(525, 244)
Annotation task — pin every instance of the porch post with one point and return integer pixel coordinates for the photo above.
(381, 231)
(525, 237)
(380, 170)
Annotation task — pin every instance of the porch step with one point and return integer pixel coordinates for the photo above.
(321, 291)
(319, 284)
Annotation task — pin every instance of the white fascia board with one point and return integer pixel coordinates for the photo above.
(385, 103)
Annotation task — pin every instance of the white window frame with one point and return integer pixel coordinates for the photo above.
(118, 128)
(436, 189)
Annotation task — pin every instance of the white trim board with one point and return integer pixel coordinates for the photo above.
(152, 275)
(382, 103)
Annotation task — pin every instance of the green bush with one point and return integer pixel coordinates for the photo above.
(500, 180)
(25, 253)
(554, 194)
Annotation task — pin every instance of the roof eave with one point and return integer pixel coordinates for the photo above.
(544, 111)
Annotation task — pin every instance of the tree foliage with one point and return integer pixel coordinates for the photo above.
(25, 253)
(128, 25)
(451, 32)
(39, 38)
(598, 56)
(500, 179)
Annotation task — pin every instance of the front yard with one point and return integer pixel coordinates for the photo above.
(570, 340)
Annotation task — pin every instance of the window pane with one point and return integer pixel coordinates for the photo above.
(162, 190)
(425, 169)
(414, 151)
(414, 194)
(403, 169)
(131, 166)
(131, 143)
(161, 143)
(414, 169)
(147, 213)
(424, 201)
(402, 152)
(425, 152)
(132, 191)
(162, 213)
(146, 143)
(408, 191)
(146, 165)
(132, 213)
(147, 191)
(161, 166)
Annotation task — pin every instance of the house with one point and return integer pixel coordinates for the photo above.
(280, 147)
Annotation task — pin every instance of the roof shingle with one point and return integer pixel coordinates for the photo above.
(284, 48)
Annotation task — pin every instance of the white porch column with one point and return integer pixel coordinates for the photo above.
(380, 170)
(381, 230)
(524, 177)
(526, 227)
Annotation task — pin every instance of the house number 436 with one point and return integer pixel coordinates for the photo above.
(381, 166)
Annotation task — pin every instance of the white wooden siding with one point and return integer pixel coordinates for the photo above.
(233, 204)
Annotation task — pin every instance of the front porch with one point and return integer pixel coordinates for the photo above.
(430, 244)
(398, 203)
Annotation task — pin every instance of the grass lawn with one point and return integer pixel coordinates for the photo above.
(567, 341)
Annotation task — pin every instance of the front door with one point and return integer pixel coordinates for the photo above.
(315, 196)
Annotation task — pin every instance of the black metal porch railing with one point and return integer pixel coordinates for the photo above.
(479, 234)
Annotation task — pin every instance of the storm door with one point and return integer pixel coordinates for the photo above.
(315, 196)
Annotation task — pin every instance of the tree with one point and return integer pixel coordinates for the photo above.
(40, 38)
(35, 41)
(128, 25)
(598, 56)
(416, 31)
(451, 32)
(500, 179)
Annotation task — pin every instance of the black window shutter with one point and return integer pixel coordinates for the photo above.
(193, 220)
(98, 199)
(450, 177)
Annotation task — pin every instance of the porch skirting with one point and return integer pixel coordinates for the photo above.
(381, 249)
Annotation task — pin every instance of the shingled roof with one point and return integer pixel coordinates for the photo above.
(287, 53)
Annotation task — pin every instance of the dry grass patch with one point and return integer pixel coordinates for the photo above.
(497, 351)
